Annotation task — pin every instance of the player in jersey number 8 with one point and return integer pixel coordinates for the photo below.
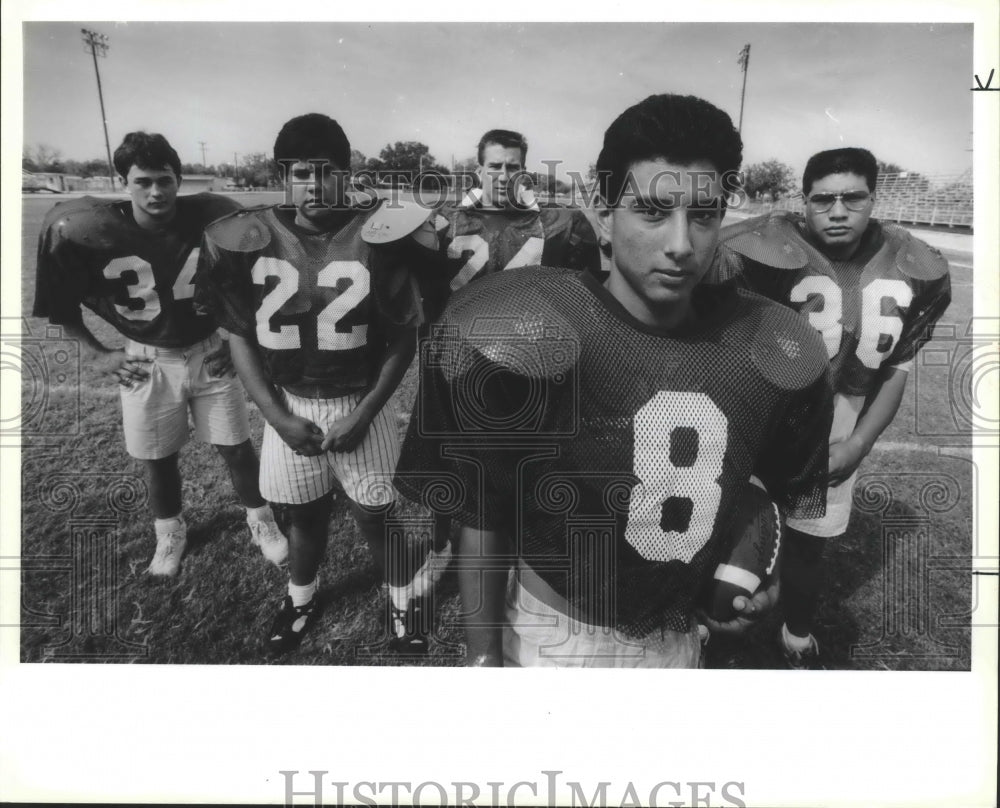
(133, 264)
(653, 402)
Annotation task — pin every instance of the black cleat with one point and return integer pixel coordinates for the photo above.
(290, 624)
(407, 629)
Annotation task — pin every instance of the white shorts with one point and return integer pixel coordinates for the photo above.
(155, 411)
(537, 635)
(365, 474)
(839, 498)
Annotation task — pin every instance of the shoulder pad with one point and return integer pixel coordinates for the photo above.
(208, 207)
(556, 219)
(394, 219)
(508, 319)
(772, 240)
(241, 231)
(87, 221)
(786, 349)
(915, 258)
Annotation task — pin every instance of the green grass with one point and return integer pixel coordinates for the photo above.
(218, 610)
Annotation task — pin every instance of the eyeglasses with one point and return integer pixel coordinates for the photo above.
(853, 200)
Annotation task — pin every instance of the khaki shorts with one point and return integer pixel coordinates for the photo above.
(155, 411)
(537, 635)
(365, 474)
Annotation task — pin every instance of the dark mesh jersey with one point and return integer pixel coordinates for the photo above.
(476, 242)
(317, 304)
(872, 310)
(614, 454)
(91, 252)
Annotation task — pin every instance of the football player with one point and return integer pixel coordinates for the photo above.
(873, 292)
(597, 435)
(323, 327)
(498, 225)
(133, 263)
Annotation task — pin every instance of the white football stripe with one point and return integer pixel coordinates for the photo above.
(740, 577)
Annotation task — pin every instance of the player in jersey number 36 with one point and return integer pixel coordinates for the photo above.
(873, 291)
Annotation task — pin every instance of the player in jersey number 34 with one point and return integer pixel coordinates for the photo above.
(133, 264)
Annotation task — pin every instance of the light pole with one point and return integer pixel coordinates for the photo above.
(744, 62)
(98, 44)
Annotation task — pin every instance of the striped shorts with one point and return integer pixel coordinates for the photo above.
(365, 474)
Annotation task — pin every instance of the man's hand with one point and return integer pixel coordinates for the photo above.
(128, 371)
(220, 362)
(748, 610)
(301, 434)
(345, 434)
(845, 457)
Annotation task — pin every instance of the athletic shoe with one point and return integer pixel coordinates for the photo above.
(290, 624)
(430, 572)
(273, 545)
(405, 627)
(808, 659)
(169, 549)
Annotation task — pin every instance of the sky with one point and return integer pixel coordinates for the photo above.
(899, 89)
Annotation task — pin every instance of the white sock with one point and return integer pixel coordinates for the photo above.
(400, 596)
(171, 525)
(301, 595)
(793, 642)
(261, 514)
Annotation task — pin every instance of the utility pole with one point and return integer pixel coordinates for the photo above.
(743, 62)
(202, 142)
(97, 44)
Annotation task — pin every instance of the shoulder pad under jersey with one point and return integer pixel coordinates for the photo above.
(788, 351)
(556, 220)
(915, 258)
(207, 207)
(772, 240)
(242, 231)
(394, 219)
(87, 221)
(507, 318)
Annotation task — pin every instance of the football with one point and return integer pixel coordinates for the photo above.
(755, 541)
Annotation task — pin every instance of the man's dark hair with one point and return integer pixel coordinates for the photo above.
(313, 137)
(840, 161)
(680, 129)
(150, 152)
(505, 138)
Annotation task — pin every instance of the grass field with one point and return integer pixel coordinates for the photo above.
(899, 588)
